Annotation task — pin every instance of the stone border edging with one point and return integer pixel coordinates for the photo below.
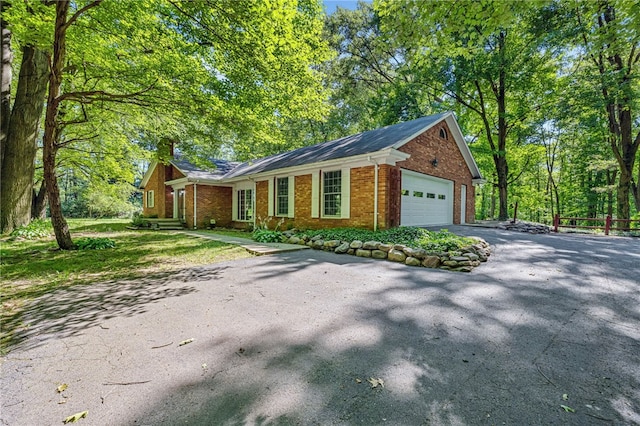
(463, 260)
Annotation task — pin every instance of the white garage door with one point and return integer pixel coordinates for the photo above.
(426, 200)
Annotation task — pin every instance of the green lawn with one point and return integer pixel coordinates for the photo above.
(33, 268)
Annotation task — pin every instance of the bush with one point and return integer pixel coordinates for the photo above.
(39, 228)
(440, 241)
(267, 236)
(89, 243)
(139, 221)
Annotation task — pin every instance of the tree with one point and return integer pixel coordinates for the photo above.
(608, 34)
(204, 73)
(19, 128)
(485, 56)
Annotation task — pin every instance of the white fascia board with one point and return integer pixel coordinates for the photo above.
(462, 145)
(147, 175)
(478, 181)
(388, 156)
(182, 182)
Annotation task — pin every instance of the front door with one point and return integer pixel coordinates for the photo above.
(181, 205)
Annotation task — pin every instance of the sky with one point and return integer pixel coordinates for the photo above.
(331, 5)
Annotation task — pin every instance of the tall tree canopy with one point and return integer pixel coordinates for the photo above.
(484, 55)
(215, 74)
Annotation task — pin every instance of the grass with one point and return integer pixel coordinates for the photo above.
(33, 268)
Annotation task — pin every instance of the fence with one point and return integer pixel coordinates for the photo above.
(607, 223)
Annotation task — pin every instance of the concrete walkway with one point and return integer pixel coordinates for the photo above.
(250, 245)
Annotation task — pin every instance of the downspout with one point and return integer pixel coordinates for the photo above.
(195, 205)
(253, 203)
(375, 194)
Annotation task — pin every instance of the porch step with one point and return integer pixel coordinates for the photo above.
(169, 224)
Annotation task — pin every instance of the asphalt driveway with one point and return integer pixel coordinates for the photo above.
(294, 338)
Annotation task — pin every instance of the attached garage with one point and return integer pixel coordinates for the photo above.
(425, 200)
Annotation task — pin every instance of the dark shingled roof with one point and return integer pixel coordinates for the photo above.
(348, 146)
(191, 171)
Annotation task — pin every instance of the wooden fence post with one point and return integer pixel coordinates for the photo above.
(607, 225)
(556, 222)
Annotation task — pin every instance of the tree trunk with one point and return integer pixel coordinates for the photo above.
(6, 77)
(51, 129)
(39, 203)
(18, 161)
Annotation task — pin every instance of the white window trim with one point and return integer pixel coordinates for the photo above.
(151, 196)
(234, 200)
(317, 194)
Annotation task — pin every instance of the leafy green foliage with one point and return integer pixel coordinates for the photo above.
(94, 243)
(38, 228)
(267, 236)
(434, 241)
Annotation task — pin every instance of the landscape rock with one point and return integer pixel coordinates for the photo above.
(370, 245)
(522, 226)
(351, 251)
(342, 248)
(363, 253)
(293, 240)
(317, 244)
(355, 244)
(412, 261)
(384, 247)
(431, 262)
(332, 243)
(378, 254)
(396, 255)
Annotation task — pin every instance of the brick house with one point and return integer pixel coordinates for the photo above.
(416, 173)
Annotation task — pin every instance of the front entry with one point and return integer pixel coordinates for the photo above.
(180, 207)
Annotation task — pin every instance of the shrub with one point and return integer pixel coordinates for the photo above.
(89, 243)
(267, 236)
(433, 241)
(139, 221)
(39, 228)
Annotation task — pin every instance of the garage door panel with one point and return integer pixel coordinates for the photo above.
(426, 200)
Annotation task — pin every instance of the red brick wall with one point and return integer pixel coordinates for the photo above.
(213, 202)
(451, 165)
(155, 184)
(163, 207)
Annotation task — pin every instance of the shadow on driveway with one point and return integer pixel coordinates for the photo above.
(294, 339)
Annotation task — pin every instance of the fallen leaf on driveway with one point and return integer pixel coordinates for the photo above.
(568, 409)
(376, 382)
(565, 396)
(358, 381)
(63, 387)
(186, 342)
(77, 416)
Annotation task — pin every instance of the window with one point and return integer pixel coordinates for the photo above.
(332, 186)
(405, 192)
(282, 196)
(430, 195)
(418, 194)
(151, 201)
(245, 204)
(443, 133)
(442, 197)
